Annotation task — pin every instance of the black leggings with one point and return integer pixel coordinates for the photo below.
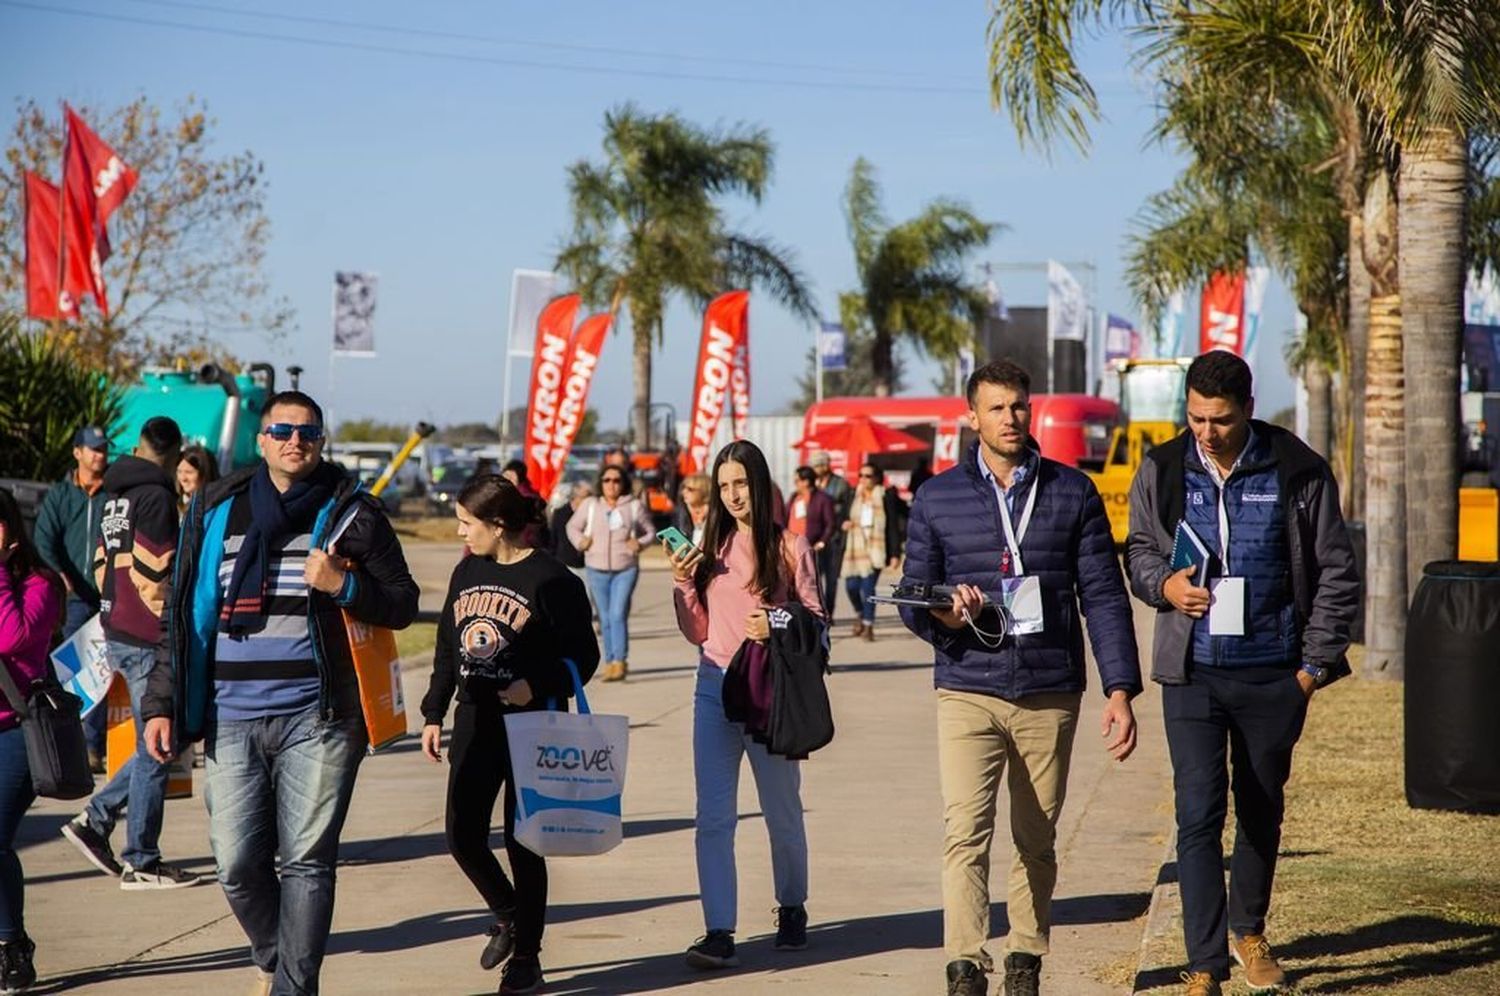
(479, 759)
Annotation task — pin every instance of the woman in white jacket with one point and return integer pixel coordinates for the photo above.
(609, 530)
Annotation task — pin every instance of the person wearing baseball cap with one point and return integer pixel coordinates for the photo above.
(67, 528)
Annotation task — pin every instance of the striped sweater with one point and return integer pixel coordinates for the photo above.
(268, 670)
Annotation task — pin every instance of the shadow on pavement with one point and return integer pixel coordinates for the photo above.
(1464, 946)
(203, 961)
(454, 925)
(842, 940)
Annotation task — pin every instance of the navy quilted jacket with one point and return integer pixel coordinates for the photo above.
(955, 537)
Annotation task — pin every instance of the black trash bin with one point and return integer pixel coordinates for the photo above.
(1453, 688)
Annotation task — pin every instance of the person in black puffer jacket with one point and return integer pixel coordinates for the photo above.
(1009, 525)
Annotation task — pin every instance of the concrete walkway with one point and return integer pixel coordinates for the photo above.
(407, 921)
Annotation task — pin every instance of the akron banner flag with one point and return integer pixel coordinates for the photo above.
(579, 366)
(354, 313)
(549, 358)
(1221, 322)
(723, 376)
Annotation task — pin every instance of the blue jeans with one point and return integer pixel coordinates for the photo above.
(612, 592)
(15, 796)
(860, 587)
(76, 612)
(718, 746)
(278, 787)
(140, 787)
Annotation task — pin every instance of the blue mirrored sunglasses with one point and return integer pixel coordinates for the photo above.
(282, 431)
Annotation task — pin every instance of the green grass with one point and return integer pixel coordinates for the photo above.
(1372, 896)
(416, 639)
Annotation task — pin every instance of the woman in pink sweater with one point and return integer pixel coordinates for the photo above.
(721, 601)
(30, 609)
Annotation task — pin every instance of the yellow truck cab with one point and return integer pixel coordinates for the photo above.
(1152, 411)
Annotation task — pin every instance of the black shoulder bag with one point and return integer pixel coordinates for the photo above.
(52, 722)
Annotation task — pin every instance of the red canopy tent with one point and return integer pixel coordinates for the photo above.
(862, 434)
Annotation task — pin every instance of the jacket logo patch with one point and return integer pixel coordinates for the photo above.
(1197, 497)
(1260, 496)
(778, 618)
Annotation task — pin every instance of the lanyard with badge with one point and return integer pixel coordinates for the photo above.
(1226, 608)
(1023, 592)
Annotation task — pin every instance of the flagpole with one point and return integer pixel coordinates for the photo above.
(62, 232)
(818, 359)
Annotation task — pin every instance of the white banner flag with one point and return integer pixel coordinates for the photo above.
(1067, 307)
(1256, 278)
(530, 290)
(1169, 326)
(354, 313)
(1482, 298)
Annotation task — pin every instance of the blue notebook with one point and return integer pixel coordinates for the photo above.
(1188, 551)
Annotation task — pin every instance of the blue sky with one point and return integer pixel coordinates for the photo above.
(444, 172)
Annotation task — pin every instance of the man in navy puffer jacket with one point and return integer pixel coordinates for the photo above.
(1007, 518)
(1236, 685)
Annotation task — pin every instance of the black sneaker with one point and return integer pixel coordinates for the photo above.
(502, 942)
(17, 973)
(791, 928)
(521, 975)
(966, 978)
(714, 949)
(158, 876)
(1023, 974)
(92, 845)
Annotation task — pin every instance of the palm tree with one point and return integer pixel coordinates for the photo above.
(646, 225)
(1429, 72)
(911, 275)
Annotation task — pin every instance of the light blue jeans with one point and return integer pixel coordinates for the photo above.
(718, 746)
(612, 593)
(139, 788)
(278, 788)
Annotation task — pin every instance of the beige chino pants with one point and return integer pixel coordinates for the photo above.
(977, 736)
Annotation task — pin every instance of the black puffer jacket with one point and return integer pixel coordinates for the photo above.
(181, 683)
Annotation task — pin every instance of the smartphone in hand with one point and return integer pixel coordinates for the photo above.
(674, 539)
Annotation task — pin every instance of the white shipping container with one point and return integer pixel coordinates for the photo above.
(774, 434)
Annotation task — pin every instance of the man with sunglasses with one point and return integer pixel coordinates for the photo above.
(271, 562)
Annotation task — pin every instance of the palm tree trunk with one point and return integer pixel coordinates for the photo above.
(881, 359)
(1353, 436)
(1385, 494)
(1432, 186)
(640, 413)
(1319, 383)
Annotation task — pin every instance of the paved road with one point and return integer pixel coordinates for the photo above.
(407, 921)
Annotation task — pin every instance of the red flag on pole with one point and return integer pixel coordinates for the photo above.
(725, 324)
(554, 331)
(578, 375)
(1222, 313)
(44, 299)
(95, 181)
(109, 179)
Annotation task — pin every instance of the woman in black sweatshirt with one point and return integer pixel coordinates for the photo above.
(512, 615)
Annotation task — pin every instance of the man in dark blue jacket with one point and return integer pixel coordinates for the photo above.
(1239, 652)
(1009, 526)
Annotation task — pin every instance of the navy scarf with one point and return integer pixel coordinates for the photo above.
(273, 516)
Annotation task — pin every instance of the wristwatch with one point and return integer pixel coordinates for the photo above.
(1319, 674)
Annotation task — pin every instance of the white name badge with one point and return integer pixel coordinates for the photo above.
(1023, 599)
(1226, 610)
(799, 509)
(866, 516)
(616, 520)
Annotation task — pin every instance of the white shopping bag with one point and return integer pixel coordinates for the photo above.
(569, 771)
